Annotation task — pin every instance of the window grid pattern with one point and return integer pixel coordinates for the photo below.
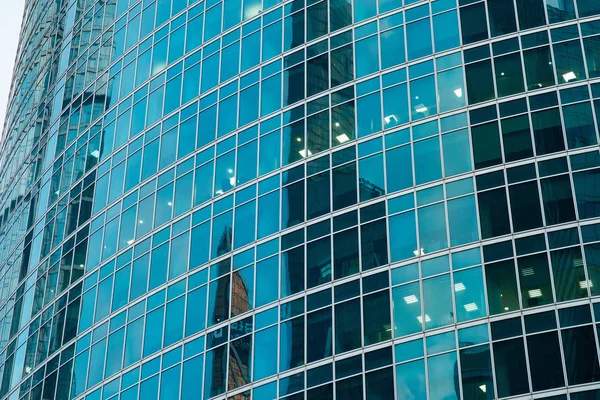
(337, 199)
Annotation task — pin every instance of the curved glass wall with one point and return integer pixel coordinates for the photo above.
(307, 199)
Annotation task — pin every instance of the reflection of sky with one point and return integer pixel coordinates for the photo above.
(443, 371)
(10, 20)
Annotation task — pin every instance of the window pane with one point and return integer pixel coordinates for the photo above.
(462, 217)
(516, 138)
(569, 61)
(218, 300)
(587, 8)
(581, 358)
(534, 279)
(410, 380)
(318, 262)
(437, 297)
(369, 114)
(525, 206)
(558, 200)
(511, 369)
(451, 89)
(538, 68)
(502, 17)
(407, 309)
(395, 106)
(345, 253)
(545, 363)
(469, 294)
(342, 62)
(373, 244)
(291, 349)
(418, 35)
(342, 118)
(560, 10)
(318, 335)
(392, 47)
(347, 326)
(427, 160)
(473, 26)
(432, 228)
(445, 27)
(586, 192)
(317, 132)
(569, 277)
(367, 56)
(501, 287)
(547, 131)
(509, 74)
(592, 56)
(480, 84)
(579, 125)
(423, 98)
(403, 241)
(318, 189)
(531, 13)
(265, 341)
(443, 380)
(344, 186)
(493, 213)
(376, 317)
(457, 153)
(486, 145)
(476, 371)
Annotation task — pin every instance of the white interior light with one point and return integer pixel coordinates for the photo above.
(505, 308)
(471, 307)
(230, 171)
(95, 154)
(569, 76)
(533, 293)
(421, 108)
(459, 286)
(419, 252)
(585, 284)
(219, 191)
(130, 241)
(390, 118)
(482, 388)
(305, 153)
(527, 271)
(343, 138)
(169, 203)
(298, 139)
(578, 262)
(141, 222)
(458, 92)
(420, 319)
(411, 299)
(232, 181)
(337, 124)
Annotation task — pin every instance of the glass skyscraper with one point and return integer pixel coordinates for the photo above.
(305, 199)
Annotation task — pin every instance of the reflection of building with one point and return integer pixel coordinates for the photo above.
(370, 189)
(359, 247)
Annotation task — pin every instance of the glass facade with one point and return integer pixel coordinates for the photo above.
(305, 199)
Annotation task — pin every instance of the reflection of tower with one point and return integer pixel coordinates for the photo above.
(239, 362)
(240, 301)
(221, 307)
